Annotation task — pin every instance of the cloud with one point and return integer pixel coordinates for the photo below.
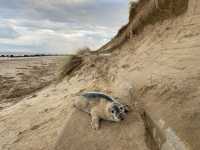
(7, 32)
(56, 37)
(60, 26)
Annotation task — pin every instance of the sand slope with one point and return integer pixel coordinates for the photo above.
(161, 65)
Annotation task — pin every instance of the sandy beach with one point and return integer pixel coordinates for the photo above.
(21, 76)
(152, 65)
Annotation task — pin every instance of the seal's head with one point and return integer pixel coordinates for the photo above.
(118, 111)
(124, 108)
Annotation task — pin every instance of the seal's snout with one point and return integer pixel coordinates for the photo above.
(126, 111)
(121, 117)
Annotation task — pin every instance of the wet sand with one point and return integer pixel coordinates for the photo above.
(22, 76)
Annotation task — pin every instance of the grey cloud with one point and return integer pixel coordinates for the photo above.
(7, 32)
(99, 12)
(59, 25)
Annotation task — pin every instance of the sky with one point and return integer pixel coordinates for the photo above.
(59, 26)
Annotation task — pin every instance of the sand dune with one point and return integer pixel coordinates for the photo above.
(152, 65)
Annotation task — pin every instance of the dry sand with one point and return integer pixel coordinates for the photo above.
(160, 64)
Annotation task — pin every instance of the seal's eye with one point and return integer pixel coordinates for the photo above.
(121, 108)
(112, 111)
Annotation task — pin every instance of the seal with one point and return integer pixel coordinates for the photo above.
(101, 106)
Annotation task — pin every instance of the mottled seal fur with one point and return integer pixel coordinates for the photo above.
(101, 106)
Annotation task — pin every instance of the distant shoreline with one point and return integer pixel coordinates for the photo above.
(35, 55)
